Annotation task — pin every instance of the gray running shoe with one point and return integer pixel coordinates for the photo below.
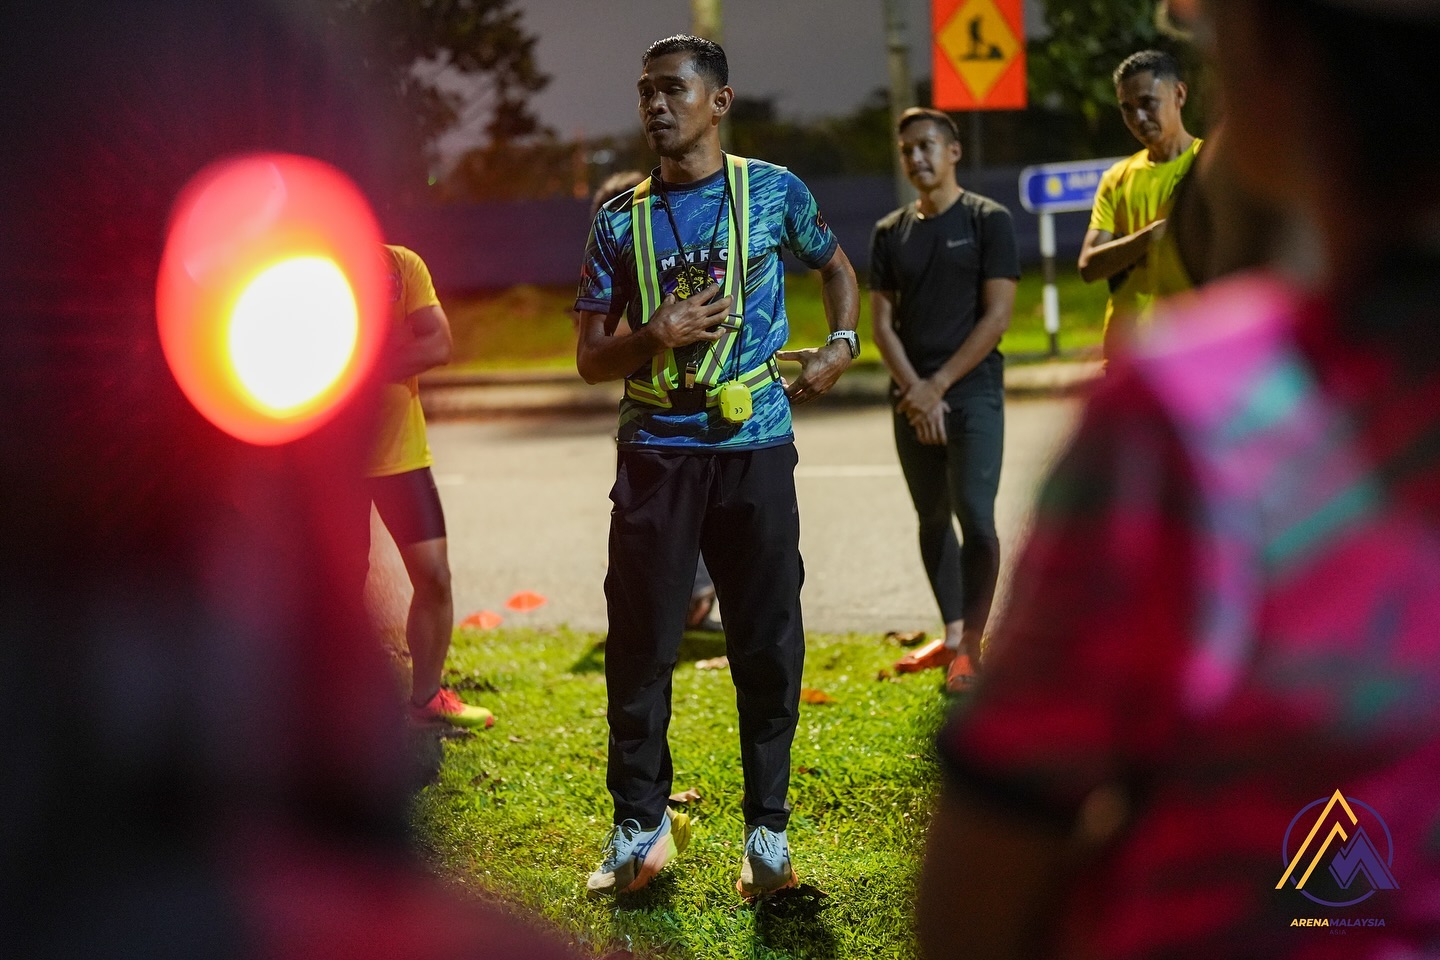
(633, 856)
(765, 867)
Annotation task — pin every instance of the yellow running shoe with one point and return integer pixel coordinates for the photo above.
(446, 707)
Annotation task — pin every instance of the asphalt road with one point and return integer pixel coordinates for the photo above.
(526, 504)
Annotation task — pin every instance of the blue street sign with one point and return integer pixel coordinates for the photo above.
(1062, 187)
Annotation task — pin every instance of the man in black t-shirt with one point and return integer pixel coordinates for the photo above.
(943, 272)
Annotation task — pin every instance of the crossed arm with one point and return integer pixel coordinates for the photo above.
(429, 344)
(1102, 256)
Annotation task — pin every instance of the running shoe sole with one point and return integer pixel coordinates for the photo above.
(751, 892)
(433, 719)
(667, 848)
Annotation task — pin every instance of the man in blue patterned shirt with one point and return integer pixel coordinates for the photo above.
(706, 459)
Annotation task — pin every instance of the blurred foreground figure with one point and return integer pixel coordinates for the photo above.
(1211, 727)
(201, 752)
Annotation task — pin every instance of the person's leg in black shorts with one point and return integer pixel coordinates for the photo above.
(409, 505)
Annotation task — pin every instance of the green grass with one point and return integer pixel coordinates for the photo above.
(520, 812)
(522, 327)
(531, 327)
(1082, 316)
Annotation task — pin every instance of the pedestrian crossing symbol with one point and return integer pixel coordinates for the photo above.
(980, 45)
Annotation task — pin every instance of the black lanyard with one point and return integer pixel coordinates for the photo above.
(714, 239)
(714, 230)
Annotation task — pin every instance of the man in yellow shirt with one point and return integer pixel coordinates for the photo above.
(403, 488)
(1127, 245)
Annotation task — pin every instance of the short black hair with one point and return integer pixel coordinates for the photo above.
(1163, 65)
(707, 55)
(940, 118)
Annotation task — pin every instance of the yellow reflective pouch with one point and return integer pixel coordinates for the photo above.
(735, 402)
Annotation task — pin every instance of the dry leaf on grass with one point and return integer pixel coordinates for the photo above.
(719, 663)
(811, 695)
(685, 796)
(905, 638)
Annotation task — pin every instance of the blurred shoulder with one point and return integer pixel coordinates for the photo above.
(895, 218)
(985, 206)
(620, 203)
(1123, 168)
(403, 257)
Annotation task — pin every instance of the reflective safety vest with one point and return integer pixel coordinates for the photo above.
(664, 374)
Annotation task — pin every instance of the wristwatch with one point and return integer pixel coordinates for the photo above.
(849, 337)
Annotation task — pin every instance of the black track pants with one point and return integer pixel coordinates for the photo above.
(740, 510)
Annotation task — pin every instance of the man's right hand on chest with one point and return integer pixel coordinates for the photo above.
(678, 323)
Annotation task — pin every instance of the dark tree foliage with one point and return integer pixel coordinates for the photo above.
(1070, 70)
(483, 39)
(855, 143)
(539, 166)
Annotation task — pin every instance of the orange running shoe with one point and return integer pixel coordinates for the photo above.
(961, 676)
(932, 656)
(446, 707)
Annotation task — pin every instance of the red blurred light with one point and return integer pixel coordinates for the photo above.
(271, 298)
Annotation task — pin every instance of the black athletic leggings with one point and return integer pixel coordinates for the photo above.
(960, 479)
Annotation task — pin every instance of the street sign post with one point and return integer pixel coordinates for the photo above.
(1052, 188)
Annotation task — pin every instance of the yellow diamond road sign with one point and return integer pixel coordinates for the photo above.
(979, 44)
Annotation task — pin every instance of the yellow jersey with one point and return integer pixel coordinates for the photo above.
(401, 445)
(1133, 194)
